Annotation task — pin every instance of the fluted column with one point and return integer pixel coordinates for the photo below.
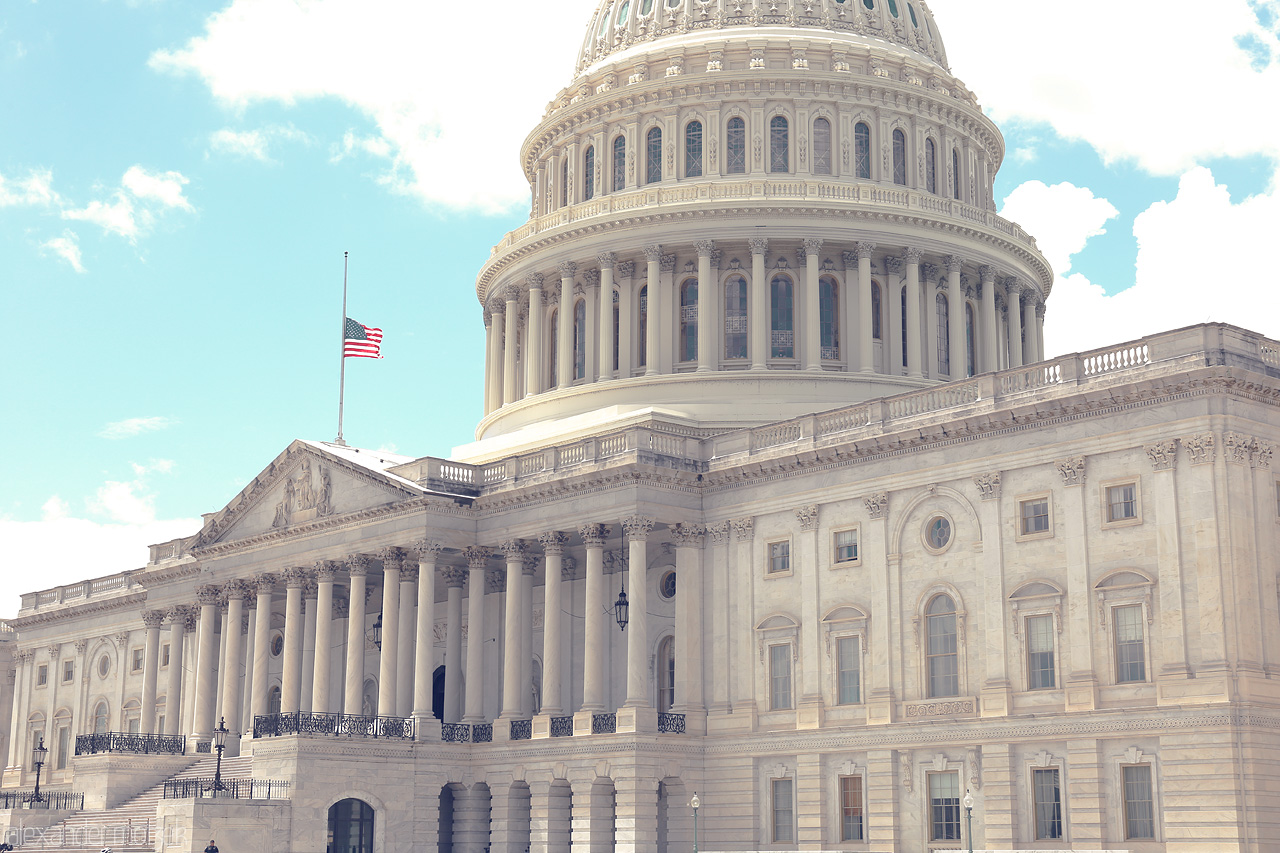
(291, 683)
(392, 559)
(404, 641)
(959, 351)
(912, 259)
(326, 570)
(553, 543)
(497, 326)
(220, 659)
(246, 683)
(21, 674)
(232, 700)
(177, 617)
(866, 312)
(604, 360)
(690, 695)
(932, 359)
(309, 626)
(476, 558)
(1031, 353)
(206, 691)
(511, 654)
(707, 314)
(759, 306)
(990, 327)
(428, 552)
(590, 333)
(637, 529)
(812, 306)
(358, 569)
(512, 320)
(151, 620)
(1013, 290)
(1040, 354)
(653, 314)
(492, 393)
(454, 578)
(534, 349)
(564, 332)
(892, 330)
(626, 318)
(593, 536)
(264, 585)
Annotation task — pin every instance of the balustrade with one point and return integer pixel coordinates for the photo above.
(604, 724)
(521, 729)
(562, 726)
(236, 789)
(147, 744)
(455, 733)
(350, 725)
(672, 724)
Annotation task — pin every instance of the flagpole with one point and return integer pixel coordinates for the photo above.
(342, 352)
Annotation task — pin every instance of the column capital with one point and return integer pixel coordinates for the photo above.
(592, 277)
(264, 582)
(759, 245)
(295, 577)
(688, 535)
(653, 253)
(341, 607)
(237, 588)
(850, 259)
(553, 542)
(988, 485)
(744, 528)
(705, 248)
(476, 556)
(1040, 309)
(311, 589)
(531, 561)
(877, 505)
(594, 535)
(812, 245)
(495, 582)
(177, 615)
(637, 528)
(533, 279)
(626, 269)
(512, 293)
(668, 263)
(953, 262)
(208, 595)
(568, 269)
(428, 550)
(894, 265)
(454, 577)
(719, 533)
(513, 550)
(607, 260)
(568, 568)
(1162, 454)
(987, 273)
(409, 572)
(808, 517)
(152, 619)
(392, 559)
(326, 570)
(912, 256)
(1072, 470)
(929, 271)
(864, 250)
(1014, 285)
(358, 565)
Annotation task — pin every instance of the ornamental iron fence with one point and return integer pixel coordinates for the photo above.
(604, 724)
(482, 733)
(521, 729)
(671, 724)
(70, 801)
(146, 744)
(236, 789)
(207, 746)
(350, 725)
(455, 733)
(562, 726)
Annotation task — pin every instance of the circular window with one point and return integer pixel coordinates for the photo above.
(937, 533)
(277, 645)
(104, 666)
(667, 586)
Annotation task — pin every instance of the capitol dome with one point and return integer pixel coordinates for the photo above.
(748, 210)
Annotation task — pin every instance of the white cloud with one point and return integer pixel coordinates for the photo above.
(254, 144)
(36, 189)
(135, 206)
(1062, 217)
(116, 216)
(130, 427)
(162, 187)
(66, 247)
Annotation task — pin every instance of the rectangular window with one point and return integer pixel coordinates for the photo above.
(1139, 811)
(780, 677)
(1122, 502)
(944, 806)
(42, 675)
(779, 557)
(1034, 515)
(164, 655)
(68, 671)
(63, 748)
(849, 660)
(851, 808)
(846, 546)
(160, 723)
(135, 725)
(783, 811)
(1047, 794)
(1040, 669)
(1131, 665)
(137, 660)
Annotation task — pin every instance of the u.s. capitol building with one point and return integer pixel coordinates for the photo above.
(775, 499)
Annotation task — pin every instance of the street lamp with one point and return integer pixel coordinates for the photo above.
(620, 608)
(968, 813)
(38, 754)
(693, 804)
(375, 633)
(219, 743)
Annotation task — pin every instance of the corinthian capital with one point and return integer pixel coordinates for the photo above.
(759, 245)
(1013, 286)
(864, 250)
(553, 542)
(476, 556)
(653, 253)
(954, 263)
(568, 269)
(513, 550)
(812, 245)
(705, 248)
(637, 527)
(594, 535)
(533, 279)
(912, 256)
(626, 269)
(607, 260)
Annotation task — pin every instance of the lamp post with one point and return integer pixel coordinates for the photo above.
(38, 754)
(694, 803)
(968, 814)
(219, 743)
(375, 633)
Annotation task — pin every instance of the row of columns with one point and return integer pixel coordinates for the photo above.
(519, 360)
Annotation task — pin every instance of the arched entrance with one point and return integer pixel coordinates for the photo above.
(350, 827)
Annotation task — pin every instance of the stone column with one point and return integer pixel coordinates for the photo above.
(404, 641)
(497, 327)
(866, 342)
(959, 352)
(989, 328)
(476, 557)
(931, 358)
(151, 619)
(392, 559)
(626, 318)
(358, 569)
(637, 530)
(879, 680)
(690, 689)
(1013, 289)
(206, 691)
(291, 682)
(812, 305)
(232, 701)
(424, 643)
(593, 536)
(1170, 656)
(512, 318)
(891, 333)
(1040, 355)
(264, 584)
(912, 259)
(454, 579)
(997, 697)
(1031, 353)
(326, 570)
(310, 592)
(553, 543)
(810, 707)
(636, 818)
(219, 660)
(1077, 664)
(591, 330)
(564, 331)
(604, 360)
(759, 304)
(513, 550)
(653, 314)
(246, 683)
(534, 348)
(708, 321)
(526, 634)
(17, 726)
(491, 393)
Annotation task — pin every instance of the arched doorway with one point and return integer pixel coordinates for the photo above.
(350, 827)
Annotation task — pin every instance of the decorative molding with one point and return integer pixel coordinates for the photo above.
(594, 535)
(637, 528)
(951, 708)
(877, 505)
(744, 528)
(1071, 470)
(553, 542)
(1162, 454)
(988, 485)
(688, 535)
(719, 533)
(808, 517)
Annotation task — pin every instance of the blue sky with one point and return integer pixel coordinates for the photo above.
(178, 182)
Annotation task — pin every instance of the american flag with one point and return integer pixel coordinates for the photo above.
(359, 341)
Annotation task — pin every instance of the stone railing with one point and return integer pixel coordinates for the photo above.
(84, 590)
(143, 744)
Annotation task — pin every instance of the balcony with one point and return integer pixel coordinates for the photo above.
(142, 744)
(333, 725)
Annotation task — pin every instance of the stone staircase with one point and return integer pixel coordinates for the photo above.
(130, 826)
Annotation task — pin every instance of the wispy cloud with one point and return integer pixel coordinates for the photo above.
(35, 189)
(135, 426)
(133, 209)
(254, 144)
(66, 247)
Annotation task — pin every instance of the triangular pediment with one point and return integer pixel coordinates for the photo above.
(307, 484)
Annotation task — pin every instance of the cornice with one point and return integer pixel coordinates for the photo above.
(74, 611)
(168, 574)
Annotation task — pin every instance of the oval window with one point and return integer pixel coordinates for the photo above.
(667, 586)
(277, 645)
(104, 666)
(938, 533)
(893, 8)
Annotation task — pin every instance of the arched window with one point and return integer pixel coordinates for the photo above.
(944, 334)
(553, 356)
(899, 158)
(735, 317)
(735, 147)
(667, 675)
(101, 719)
(875, 310)
(273, 700)
(619, 163)
(829, 317)
(642, 333)
(689, 320)
(970, 338)
(589, 173)
(955, 174)
(779, 145)
(653, 156)
(930, 166)
(564, 182)
(782, 328)
(693, 149)
(580, 339)
(942, 651)
(862, 150)
(821, 147)
(350, 827)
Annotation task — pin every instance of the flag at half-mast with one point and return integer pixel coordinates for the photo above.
(360, 341)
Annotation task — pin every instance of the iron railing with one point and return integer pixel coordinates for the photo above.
(562, 726)
(482, 733)
(455, 733)
(350, 725)
(604, 724)
(521, 729)
(671, 724)
(56, 800)
(236, 789)
(207, 746)
(147, 744)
